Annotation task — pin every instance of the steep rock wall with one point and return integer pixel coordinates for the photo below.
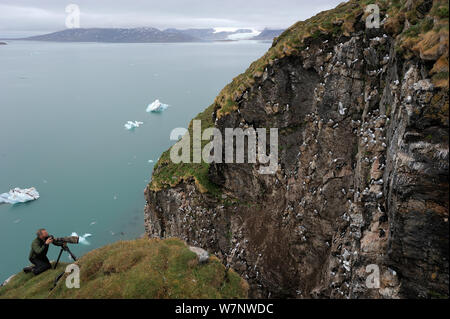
(362, 177)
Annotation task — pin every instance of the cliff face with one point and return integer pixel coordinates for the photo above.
(363, 164)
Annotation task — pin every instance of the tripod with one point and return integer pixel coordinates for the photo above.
(64, 247)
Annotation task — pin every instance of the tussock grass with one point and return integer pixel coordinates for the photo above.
(31, 286)
(143, 268)
(427, 36)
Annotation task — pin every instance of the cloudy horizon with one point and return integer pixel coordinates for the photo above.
(20, 18)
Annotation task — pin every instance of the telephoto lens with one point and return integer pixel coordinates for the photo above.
(59, 241)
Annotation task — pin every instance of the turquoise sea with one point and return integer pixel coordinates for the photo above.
(62, 111)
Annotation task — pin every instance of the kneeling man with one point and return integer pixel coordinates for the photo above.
(38, 253)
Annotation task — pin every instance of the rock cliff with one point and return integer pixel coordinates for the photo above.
(362, 179)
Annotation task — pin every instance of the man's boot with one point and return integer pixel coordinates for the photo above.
(28, 269)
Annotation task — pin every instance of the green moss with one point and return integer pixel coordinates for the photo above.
(229, 106)
(396, 4)
(425, 34)
(441, 11)
(436, 295)
(168, 174)
(441, 76)
(413, 31)
(144, 268)
(427, 25)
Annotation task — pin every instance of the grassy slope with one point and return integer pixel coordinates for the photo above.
(427, 36)
(144, 268)
(168, 174)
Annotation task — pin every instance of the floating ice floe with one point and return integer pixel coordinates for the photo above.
(157, 106)
(131, 125)
(18, 195)
(82, 239)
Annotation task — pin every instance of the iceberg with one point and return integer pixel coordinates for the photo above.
(18, 195)
(82, 239)
(130, 125)
(156, 106)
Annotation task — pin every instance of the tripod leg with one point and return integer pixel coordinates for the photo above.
(55, 282)
(59, 256)
(70, 253)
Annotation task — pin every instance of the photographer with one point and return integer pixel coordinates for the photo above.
(38, 253)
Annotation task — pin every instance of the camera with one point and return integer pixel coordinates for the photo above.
(62, 241)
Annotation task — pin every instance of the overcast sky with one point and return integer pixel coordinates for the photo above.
(30, 17)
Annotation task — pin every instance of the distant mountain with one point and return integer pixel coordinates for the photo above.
(3, 43)
(120, 35)
(137, 35)
(268, 34)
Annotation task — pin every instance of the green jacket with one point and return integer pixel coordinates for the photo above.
(38, 249)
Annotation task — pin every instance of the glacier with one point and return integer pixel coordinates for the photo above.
(157, 106)
(18, 195)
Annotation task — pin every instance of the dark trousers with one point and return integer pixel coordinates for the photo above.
(40, 265)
